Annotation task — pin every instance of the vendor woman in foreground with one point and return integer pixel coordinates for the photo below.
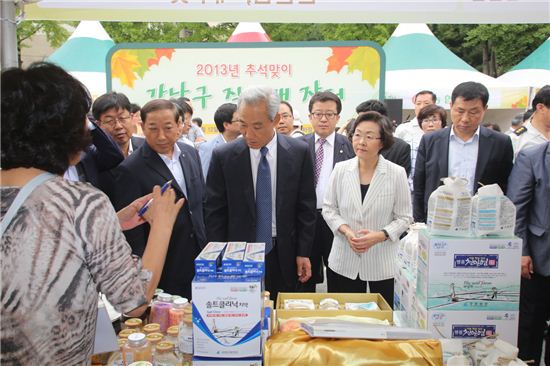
(367, 205)
(64, 243)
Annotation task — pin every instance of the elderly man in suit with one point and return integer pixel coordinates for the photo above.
(228, 124)
(162, 159)
(529, 189)
(466, 150)
(260, 189)
(326, 148)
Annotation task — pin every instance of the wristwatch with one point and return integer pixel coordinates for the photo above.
(386, 234)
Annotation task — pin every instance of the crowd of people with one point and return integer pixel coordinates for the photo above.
(332, 203)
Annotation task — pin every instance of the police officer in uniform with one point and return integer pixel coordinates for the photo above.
(537, 129)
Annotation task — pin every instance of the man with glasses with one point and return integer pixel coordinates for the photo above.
(112, 112)
(467, 150)
(326, 148)
(227, 122)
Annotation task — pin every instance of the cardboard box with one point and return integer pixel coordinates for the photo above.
(469, 324)
(385, 312)
(254, 259)
(404, 296)
(232, 261)
(209, 259)
(227, 316)
(468, 274)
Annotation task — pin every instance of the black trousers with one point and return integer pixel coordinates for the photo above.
(534, 312)
(322, 244)
(339, 283)
(274, 282)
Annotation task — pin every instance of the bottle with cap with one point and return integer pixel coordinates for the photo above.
(137, 349)
(151, 328)
(172, 334)
(116, 358)
(124, 333)
(185, 338)
(165, 355)
(177, 311)
(154, 339)
(160, 311)
(133, 323)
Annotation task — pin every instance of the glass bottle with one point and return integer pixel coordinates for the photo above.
(133, 323)
(165, 355)
(178, 311)
(151, 328)
(172, 334)
(137, 349)
(185, 339)
(116, 358)
(160, 311)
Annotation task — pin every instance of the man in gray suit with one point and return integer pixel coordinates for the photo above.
(227, 123)
(324, 113)
(465, 150)
(529, 189)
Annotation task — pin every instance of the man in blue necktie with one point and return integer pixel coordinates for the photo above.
(260, 189)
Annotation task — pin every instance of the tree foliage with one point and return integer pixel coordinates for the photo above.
(490, 48)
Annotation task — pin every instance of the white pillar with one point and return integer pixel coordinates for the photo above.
(8, 34)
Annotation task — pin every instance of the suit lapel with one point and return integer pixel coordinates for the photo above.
(377, 182)
(353, 182)
(339, 150)
(442, 152)
(243, 170)
(187, 170)
(153, 160)
(311, 143)
(485, 147)
(284, 171)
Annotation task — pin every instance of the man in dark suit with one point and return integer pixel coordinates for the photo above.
(159, 160)
(97, 159)
(260, 189)
(324, 113)
(466, 150)
(529, 189)
(400, 151)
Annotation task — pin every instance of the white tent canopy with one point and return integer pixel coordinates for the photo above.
(416, 60)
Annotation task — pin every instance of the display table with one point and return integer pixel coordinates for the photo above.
(297, 348)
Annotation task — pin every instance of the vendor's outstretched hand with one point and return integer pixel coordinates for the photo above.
(128, 216)
(164, 209)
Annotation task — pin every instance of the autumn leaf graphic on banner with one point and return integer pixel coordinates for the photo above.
(123, 66)
(338, 58)
(129, 65)
(363, 59)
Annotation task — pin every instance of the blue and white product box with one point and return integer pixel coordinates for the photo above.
(468, 274)
(232, 261)
(470, 324)
(227, 316)
(404, 296)
(208, 361)
(209, 259)
(254, 259)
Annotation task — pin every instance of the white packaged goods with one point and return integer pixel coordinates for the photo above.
(469, 324)
(492, 213)
(227, 316)
(404, 296)
(468, 273)
(408, 248)
(254, 258)
(232, 261)
(209, 259)
(449, 208)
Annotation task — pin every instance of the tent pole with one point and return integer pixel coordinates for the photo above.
(8, 34)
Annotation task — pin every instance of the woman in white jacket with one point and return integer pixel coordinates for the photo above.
(368, 206)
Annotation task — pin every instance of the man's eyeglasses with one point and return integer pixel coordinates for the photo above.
(328, 115)
(111, 122)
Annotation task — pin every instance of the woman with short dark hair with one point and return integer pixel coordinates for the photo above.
(367, 205)
(64, 241)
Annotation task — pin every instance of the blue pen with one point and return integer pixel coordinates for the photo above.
(145, 207)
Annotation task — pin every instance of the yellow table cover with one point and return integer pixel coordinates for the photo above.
(297, 348)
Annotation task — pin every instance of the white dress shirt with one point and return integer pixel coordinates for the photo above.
(255, 156)
(463, 158)
(326, 168)
(174, 165)
(530, 138)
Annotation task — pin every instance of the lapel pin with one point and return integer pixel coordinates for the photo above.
(341, 151)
